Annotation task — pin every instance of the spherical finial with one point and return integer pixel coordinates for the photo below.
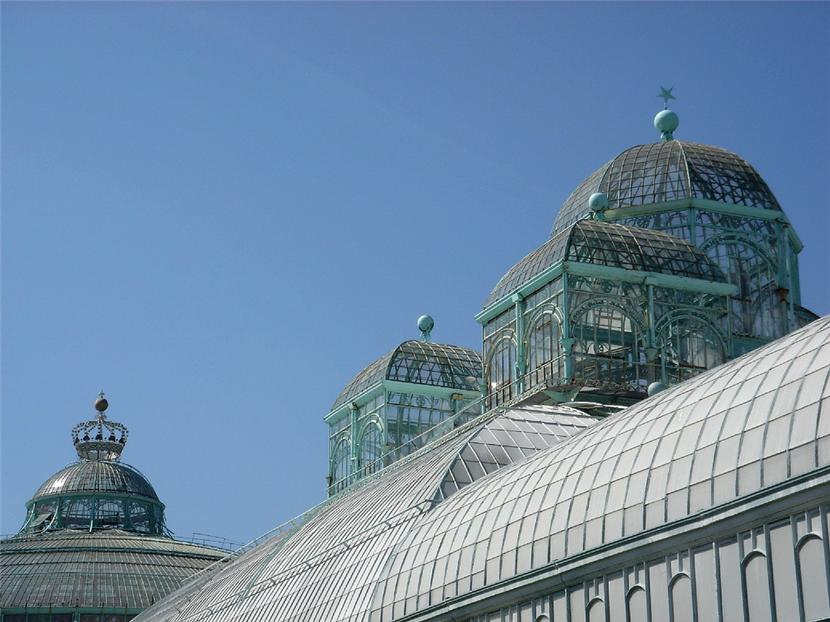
(101, 404)
(666, 121)
(598, 202)
(425, 325)
(654, 388)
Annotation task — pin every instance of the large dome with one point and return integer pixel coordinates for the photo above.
(103, 570)
(670, 171)
(96, 476)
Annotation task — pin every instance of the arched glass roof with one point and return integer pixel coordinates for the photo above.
(419, 362)
(94, 476)
(388, 550)
(753, 422)
(111, 570)
(610, 244)
(667, 171)
(329, 568)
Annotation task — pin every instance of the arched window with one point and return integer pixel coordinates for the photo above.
(500, 369)
(77, 513)
(606, 345)
(756, 308)
(371, 448)
(813, 572)
(688, 345)
(543, 359)
(340, 466)
(110, 514)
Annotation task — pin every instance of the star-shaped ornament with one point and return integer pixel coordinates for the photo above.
(665, 95)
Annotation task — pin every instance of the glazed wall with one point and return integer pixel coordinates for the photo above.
(775, 571)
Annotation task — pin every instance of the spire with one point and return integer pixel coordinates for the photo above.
(99, 438)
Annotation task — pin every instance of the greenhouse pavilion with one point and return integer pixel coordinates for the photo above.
(644, 437)
(94, 546)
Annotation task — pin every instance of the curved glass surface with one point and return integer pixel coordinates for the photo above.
(328, 569)
(511, 437)
(419, 362)
(389, 550)
(667, 171)
(725, 434)
(615, 245)
(103, 570)
(97, 476)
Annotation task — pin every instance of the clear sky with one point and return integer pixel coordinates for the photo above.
(219, 213)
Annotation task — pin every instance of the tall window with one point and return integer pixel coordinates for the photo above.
(688, 346)
(340, 466)
(543, 360)
(756, 308)
(607, 346)
(371, 449)
(500, 368)
(77, 513)
(109, 514)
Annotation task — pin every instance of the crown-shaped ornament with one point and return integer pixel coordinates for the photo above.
(99, 439)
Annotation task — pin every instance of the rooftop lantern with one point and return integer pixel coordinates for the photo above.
(100, 438)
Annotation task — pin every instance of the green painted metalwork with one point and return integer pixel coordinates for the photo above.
(414, 388)
(94, 545)
(626, 213)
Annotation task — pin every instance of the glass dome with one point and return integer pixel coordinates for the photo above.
(97, 476)
(609, 244)
(670, 171)
(419, 362)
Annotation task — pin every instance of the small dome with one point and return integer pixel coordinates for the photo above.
(419, 362)
(610, 244)
(670, 171)
(97, 477)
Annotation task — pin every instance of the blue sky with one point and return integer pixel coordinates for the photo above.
(219, 213)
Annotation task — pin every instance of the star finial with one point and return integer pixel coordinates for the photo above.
(665, 95)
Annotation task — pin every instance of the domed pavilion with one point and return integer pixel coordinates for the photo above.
(670, 259)
(94, 546)
(400, 402)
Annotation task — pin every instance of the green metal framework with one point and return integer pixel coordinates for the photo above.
(383, 413)
(686, 260)
(94, 546)
(92, 495)
(605, 306)
(715, 200)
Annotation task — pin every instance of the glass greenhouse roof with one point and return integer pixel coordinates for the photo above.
(387, 550)
(419, 362)
(102, 570)
(513, 436)
(94, 476)
(668, 171)
(328, 568)
(610, 244)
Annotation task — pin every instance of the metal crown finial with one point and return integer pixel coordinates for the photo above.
(99, 439)
(665, 95)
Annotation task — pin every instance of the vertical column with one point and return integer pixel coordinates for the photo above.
(521, 363)
(353, 412)
(789, 272)
(651, 347)
(692, 223)
(781, 277)
(566, 339)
